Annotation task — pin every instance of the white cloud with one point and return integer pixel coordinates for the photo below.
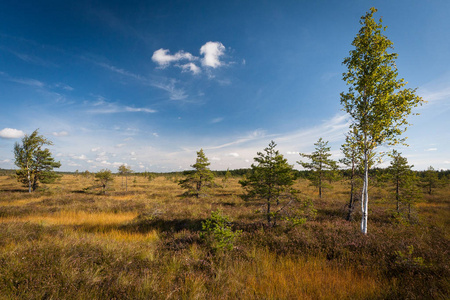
(190, 67)
(132, 153)
(155, 134)
(212, 52)
(95, 149)
(431, 149)
(61, 133)
(234, 154)
(120, 145)
(11, 133)
(163, 58)
(215, 158)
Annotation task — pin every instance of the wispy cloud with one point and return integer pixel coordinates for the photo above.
(104, 107)
(25, 81)
(61, 133)
(436, 95)
(174, 92)
(29, 58)
(216, 120)
(165, 85)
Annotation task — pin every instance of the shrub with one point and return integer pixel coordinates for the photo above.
(217, 232)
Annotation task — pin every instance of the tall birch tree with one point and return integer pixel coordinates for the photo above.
(377, 102)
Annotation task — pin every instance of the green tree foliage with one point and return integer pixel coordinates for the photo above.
(35, 162)
(199, 181)
(411, 194)
(226, 177)
(271, 180)
(430, 180)
(217, 232)
(376, 101)
(401, 175)
(124, 170)
(321, 166)
(104, 176)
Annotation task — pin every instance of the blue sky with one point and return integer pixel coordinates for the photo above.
(149, 83)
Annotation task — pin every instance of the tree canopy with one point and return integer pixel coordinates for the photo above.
(320, 164)
(35, 162)
(198, 181)
(376, 101)
(271, 180)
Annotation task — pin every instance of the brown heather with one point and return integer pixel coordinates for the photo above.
(68, 241)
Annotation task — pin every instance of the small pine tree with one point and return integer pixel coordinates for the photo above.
(321, 166)
(199, 181)
(226, 177)
(104, 177)
(124, 170)
(401, 175)
(271, 180)
(430, 180)
(411, 194)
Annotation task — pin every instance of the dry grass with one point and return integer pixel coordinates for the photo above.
(70, 241)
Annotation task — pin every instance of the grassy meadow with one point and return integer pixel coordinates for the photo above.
(69, 241)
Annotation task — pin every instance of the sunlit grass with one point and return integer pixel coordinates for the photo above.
(279, 277)
(125, 236)
(76, 218)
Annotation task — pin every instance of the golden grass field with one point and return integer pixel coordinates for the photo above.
(69, 241)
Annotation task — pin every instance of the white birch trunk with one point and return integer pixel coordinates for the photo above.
(365, 195)
(29, 179)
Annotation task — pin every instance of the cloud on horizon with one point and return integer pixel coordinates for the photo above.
(11, 133)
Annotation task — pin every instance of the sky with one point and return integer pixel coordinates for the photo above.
(150, 83)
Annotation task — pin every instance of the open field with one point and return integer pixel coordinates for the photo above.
(68, 241)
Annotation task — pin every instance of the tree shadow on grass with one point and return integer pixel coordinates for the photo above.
(144, 225)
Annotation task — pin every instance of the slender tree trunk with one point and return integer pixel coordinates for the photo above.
(397, 197)
(351, 204)
(126, 183)
(365, 194)
(268, 211)
(29, 178)
(320, 186)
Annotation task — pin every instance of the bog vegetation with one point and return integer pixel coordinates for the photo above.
(70, 239)
(269, 232)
